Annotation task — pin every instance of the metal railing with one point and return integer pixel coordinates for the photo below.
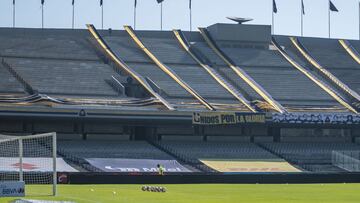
(121, 64)
(305, 53)
(26, 85)
(313, 78)
(241, 73)
(213, 73)
(167, 70)
(350, 50)
(347, 160)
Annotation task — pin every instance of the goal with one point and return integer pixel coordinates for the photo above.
(30, 159)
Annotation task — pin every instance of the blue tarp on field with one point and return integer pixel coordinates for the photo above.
(136, 165)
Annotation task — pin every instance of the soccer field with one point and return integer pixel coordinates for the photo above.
(207, 193)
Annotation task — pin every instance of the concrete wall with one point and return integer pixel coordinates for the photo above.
(237, 32)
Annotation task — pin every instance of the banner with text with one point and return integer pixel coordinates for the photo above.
(226, 118)
(316, 118)
(12, 189)
(250, 166)
(136, 165)
(11, 164)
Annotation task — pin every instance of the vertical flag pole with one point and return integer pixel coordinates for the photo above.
(73, 14)
(272, 23)
(190, 9)
(135, 4)
(102, 16)
(42, 15)
(333, 8)
(14, 13)
(329, 21)
(302, 18)
(161, 16)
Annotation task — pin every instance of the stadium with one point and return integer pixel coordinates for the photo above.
(230, 112)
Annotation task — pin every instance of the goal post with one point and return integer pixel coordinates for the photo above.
(31, 160)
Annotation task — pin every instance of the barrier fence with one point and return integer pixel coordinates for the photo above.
(200, 178)
(347, 160)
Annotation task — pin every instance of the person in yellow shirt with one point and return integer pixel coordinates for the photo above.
(160, 169)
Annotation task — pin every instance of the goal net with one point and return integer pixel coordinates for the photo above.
(31, 159)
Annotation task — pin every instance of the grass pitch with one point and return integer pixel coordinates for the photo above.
(327, 193)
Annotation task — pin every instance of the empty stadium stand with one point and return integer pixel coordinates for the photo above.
(127, 50)
(111, 149)
(51, 44)
(349, 48)
(331, 55)
(263, 64)
(194, 152)
(66, 77)
(345, 102)
(166, 69)
(58, 62)
(206, 36)
(292, 82)
(310, 156)
(165, 83)
(76, 152)
(355, 45)
(121, 67)
(214, 100)
(31, 149)
(297, 51)
(225, 71)
(194, 75)
(8, 83)
(331, 74)
(278, 77)
(316, 96)
(202, 62)
(64, 64)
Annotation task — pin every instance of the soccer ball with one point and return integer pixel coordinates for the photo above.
(153, 189)
(163, 189)
(145, 188)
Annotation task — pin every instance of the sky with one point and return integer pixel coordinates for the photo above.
(58, 14)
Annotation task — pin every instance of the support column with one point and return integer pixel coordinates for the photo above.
(275, 132)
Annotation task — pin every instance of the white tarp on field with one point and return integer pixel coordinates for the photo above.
(11, 164)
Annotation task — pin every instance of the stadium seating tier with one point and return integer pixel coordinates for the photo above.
(65, 77)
